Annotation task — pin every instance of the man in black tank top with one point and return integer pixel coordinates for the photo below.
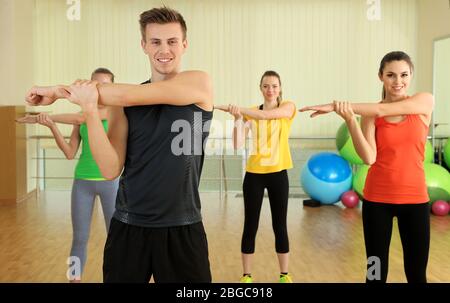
(156, 139)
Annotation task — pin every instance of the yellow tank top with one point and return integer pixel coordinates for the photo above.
(269, 145)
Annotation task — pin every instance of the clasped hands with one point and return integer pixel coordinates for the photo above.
(342, 108)
(82, 92)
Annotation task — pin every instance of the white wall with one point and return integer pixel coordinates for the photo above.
(16, 50)
(323, 49)
(434, 23)
(442, 86)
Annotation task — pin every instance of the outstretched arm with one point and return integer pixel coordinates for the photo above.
(77, 118)
(185, 88)
(420, 104)
(69, 149)
(190, 87)
(285, 110)
(71, 118)
(46, 95)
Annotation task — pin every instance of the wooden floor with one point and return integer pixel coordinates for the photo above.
(326, 243)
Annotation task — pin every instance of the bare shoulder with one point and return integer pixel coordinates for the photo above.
(201, 78)
(289, 106)
(194, 73)
(288, 103)
(203, 82)
(196, 76)
(424, 97)
(426, 100)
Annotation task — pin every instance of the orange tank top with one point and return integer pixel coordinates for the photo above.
(398, 176)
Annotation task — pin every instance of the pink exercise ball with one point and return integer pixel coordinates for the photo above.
(440, 208)
(350, 199)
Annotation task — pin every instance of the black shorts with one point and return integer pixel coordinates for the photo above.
(171, 254)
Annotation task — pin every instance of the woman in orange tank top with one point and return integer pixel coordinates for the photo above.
(391, 138)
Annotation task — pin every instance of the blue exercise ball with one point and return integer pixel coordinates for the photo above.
(325, 177)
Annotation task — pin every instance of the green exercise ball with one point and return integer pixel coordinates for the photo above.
(429, 153)
(447, 153)
(344, 145)
(438, 182)
(359, 179)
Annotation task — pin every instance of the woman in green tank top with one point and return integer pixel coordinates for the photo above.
(88, 181)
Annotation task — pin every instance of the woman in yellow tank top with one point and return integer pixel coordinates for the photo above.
(269, 158)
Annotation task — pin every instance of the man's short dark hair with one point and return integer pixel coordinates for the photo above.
(162, 15)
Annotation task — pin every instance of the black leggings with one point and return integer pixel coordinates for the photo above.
(414, 227)
(277, 185)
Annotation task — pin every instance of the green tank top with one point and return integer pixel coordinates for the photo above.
(87, 168)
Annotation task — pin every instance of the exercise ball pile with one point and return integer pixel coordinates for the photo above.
(325, 177)
(344, 145)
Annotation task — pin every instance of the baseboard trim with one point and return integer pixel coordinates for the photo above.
(18, 200)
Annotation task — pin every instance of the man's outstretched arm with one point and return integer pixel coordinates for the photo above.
(190, 87)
